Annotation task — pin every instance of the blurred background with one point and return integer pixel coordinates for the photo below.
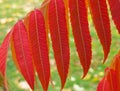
(13, 10)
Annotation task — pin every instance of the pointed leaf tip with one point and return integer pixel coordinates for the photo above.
(38, 42)
(99, 12)
(59, 36)
(80, 29)
(23, 53)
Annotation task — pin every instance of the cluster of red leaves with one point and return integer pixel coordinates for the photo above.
(111, 80)
(30, 45)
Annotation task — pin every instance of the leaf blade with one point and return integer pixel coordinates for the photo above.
(59, 36)
(80, 29)
(103, 85)
(99, 12)
(115, 12)
(23, 53)
(3, 57)
(38, 41)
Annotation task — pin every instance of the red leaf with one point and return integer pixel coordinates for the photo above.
(116, 66)
(4, 52)
(59, 35)
(23, 53)
(44, 11)
(3, 57)
(111, 76)
(115, 12)
(39, 47)
(101, 21)
(103, 85)
(78, 15)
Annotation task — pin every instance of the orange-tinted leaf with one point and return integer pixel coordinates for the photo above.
(59, 36)
(115, 12)
(78, 15)
(66, 3)
(116, 66)
(103, 85)
(38, 40)
(26, 21)
(14, 54)
(101, 21)
(44, 11)
(23, 53)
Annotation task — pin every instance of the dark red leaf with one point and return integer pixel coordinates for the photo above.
(78, 15)
(101, 21)
(115, 12)
(59, 35)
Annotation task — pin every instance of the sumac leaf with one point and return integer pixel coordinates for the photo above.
(99, 12)
(3, 53)
(23, 52)
(111, 76)
(115, 12)
(116, 66)
(78, 15)
(38, 41)
(59, 36)
(3, 57)
(103, 85)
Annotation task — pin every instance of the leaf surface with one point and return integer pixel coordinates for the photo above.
(80, 29)
(23, 53)
(115, 65)
(115, 12)
(99, 12)
(3, 57)
(3, 53)
(59, 36)
(38, 41)
(103, 85)
(111, 76)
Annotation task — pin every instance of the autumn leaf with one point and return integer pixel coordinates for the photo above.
(80, 29)
(111, 77)
(99, 12)
(38, 42)
(3, 57)
(23, 52)
(103, 85)
(115, 12)
(59, 36)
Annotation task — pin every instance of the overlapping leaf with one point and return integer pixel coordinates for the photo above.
(103, 85)
(4, 52)
(59, 35)
(111, 76)
(38, 41)
(111, 81)
(99, 12)
(115, 12)
(78, 15)
(3, 57)
(23, 53)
